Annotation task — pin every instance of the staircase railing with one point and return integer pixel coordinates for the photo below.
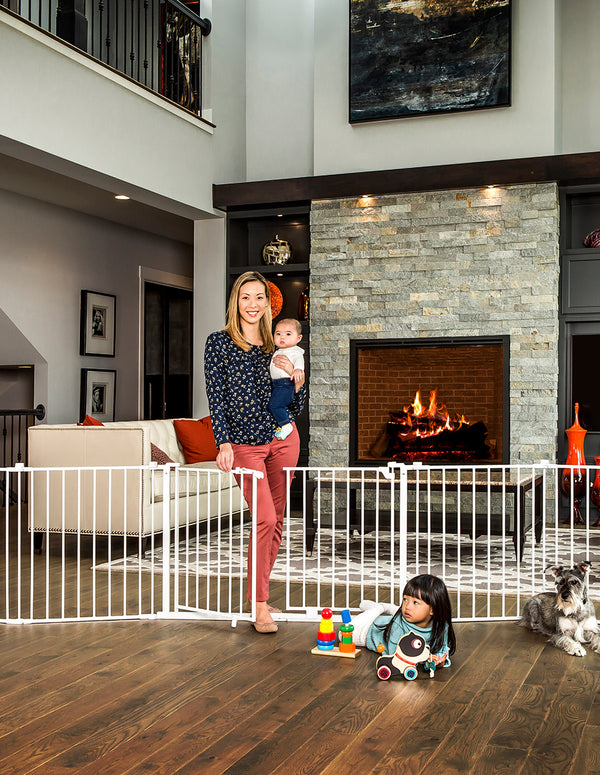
(157, 43)
(13, 428)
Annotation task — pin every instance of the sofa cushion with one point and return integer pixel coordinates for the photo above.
(158, 456)
(88, 420)
(197, 439)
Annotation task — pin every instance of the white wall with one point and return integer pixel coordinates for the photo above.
(48, 255)
(527, 128)
(209, 297)
(580, 21)
(81, 120)
(279, 88)
(226, 90)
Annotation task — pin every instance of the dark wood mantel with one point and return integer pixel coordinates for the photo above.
(567, 170)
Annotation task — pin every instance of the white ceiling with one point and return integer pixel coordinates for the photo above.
(37, 182)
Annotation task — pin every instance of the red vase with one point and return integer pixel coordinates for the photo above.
(595, 491)
(573, 479)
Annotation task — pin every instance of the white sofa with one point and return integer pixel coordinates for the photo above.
(118, 502)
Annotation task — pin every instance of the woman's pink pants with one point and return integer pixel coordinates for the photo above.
(271, 459)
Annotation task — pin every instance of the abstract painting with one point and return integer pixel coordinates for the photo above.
(421, 57)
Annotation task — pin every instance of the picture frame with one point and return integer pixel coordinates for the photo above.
(426, 57)
(98, 388)
(98, 324)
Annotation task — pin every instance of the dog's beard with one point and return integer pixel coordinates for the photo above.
(569, 607)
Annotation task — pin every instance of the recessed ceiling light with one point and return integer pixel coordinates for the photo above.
(121, 196)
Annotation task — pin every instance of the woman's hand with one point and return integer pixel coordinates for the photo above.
(225, 458)
(283, 362)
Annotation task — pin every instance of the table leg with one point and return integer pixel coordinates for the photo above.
(310, 530)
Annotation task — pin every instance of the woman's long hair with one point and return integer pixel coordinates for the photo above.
(233, 324)
(432, 591)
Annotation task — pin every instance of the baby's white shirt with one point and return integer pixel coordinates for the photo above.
(296, 356)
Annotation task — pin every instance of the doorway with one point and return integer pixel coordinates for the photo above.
(581, 377)
(167, 351)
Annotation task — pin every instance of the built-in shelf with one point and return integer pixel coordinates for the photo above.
(248, 231)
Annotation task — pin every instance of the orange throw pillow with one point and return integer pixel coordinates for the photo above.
(197, 440)
(90, 421)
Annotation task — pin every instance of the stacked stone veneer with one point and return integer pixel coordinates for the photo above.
(455, 263)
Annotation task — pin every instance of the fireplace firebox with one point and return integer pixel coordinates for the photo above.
(434, 400)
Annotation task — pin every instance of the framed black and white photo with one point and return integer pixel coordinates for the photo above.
(98, 394)
(98, 324)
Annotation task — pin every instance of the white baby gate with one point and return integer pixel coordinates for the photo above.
(77, 545)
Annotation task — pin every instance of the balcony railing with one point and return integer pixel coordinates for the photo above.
(157, 43)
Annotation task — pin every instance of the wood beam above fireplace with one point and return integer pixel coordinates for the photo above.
(566, 170)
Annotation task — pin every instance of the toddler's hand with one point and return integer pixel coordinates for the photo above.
(297, 375)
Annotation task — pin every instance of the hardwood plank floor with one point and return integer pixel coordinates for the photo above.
(175, 697)
(202, 697)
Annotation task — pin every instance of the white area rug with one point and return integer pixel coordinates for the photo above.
(480, 565)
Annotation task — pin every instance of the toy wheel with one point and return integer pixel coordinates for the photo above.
(410, 673)
(383, 672)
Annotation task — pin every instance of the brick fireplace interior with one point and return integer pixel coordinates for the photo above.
(469, 375)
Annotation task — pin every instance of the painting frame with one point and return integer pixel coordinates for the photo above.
(427, 58)
(98, 392)
(98, 325)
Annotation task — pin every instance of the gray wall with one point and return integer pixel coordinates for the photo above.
(48, 255)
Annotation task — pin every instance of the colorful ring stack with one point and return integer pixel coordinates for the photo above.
(326, 634)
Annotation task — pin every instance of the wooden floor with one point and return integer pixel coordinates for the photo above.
(201, 697)
(173, 696)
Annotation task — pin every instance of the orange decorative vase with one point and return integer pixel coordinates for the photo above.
(595, 491)
(572, 481)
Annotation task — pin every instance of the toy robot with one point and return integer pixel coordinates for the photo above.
(410, 651)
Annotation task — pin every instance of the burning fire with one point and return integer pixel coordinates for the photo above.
(421, 422)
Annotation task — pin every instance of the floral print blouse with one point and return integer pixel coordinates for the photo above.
(238, 387)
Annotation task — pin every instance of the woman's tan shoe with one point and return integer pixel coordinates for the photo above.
(265, 627)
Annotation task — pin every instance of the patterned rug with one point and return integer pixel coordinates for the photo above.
(479, 566)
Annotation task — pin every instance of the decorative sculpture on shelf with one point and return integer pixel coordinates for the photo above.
(278, 251)
(593, 239)
(573, 477)
(276, 299)
(304, 305)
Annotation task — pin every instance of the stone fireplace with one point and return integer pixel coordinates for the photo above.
(434, 266)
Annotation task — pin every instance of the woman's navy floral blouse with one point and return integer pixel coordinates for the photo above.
(238, 386)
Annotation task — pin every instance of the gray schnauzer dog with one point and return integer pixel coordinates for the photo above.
(567, 617)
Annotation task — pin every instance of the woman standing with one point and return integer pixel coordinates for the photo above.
(238, 386)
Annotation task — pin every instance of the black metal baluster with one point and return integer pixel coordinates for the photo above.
(171, 38)
(100, 20)
(176, 60)
(160, 49)
(108, 39)
(117, 37)
(145, 42)
(197, 65)
(19, 456)
(131, 47)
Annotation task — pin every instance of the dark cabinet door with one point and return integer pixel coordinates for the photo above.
(167, 352)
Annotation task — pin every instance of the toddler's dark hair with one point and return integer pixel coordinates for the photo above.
(431, 590)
